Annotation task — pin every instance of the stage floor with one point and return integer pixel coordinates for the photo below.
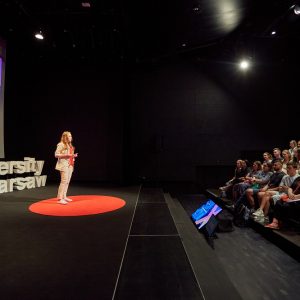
(146, 249)
(133, 252)
(48, 257)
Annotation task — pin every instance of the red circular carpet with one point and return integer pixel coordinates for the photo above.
(80, 206)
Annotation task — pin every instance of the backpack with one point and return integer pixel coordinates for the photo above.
(241, 215)
(225, 221)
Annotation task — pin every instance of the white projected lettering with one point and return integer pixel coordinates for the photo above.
(20, 167)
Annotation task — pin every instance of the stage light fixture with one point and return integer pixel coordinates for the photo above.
(39, 35)
(244, 64)
(297, 9)
(86, 4)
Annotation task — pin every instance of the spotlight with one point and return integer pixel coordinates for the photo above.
(244, 64)
(297, 9)
(86, 4)
(273, 32)
(39, 35)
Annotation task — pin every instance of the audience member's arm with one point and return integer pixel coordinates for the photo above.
(263, 180)
(291, 195)
(264, 189)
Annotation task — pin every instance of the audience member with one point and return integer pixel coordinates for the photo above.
(247, 181)
(293, 145)
(239, 173)
(267, 157)
(276, 193)
(276, 155)
(296, 157)
(259, 183)
(287, 157)
(288, 207)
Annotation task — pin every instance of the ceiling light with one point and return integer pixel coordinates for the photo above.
(244, 64)
(85, 4)
(39, 35)
(297, 9)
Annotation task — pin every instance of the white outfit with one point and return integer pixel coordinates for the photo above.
(66, 169)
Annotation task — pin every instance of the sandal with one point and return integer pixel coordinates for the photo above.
(274, 226)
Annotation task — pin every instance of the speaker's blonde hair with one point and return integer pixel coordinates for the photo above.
(64, 139)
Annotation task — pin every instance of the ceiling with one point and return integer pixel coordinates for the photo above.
(134, 30)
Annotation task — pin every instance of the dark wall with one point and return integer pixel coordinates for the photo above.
(190, 114)
(158, 121)
(43, 99)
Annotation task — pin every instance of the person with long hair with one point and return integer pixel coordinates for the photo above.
(65, 154)
(293, 145)
(287, 157)
(267, 157)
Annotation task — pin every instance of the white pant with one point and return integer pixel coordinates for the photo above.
(65, 177)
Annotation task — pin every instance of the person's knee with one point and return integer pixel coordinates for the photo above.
(260, 195)
(249, 192)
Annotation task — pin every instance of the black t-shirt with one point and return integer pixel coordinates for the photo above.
(275, 179)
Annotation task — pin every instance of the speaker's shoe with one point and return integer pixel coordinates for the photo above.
(62, 201)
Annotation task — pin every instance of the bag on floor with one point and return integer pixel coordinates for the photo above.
(225, 221)
(241, 215)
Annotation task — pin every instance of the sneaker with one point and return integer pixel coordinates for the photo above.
(258, 213)
(62, 201)
(260, 220)
(68, 199)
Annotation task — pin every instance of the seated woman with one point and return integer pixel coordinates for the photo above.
(258, 183)
(293, 145)
(275, 194)
(247, 181)
(296, 156)
(287, 157)
(267, 157)
(239, 173)
(287, 207)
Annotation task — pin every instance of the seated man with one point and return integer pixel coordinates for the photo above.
(288, 206)
(276, 155)
(275, 194)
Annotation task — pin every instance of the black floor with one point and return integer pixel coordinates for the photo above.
(257, 268)
(43, 257)
(155, 265)
(149, 249)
